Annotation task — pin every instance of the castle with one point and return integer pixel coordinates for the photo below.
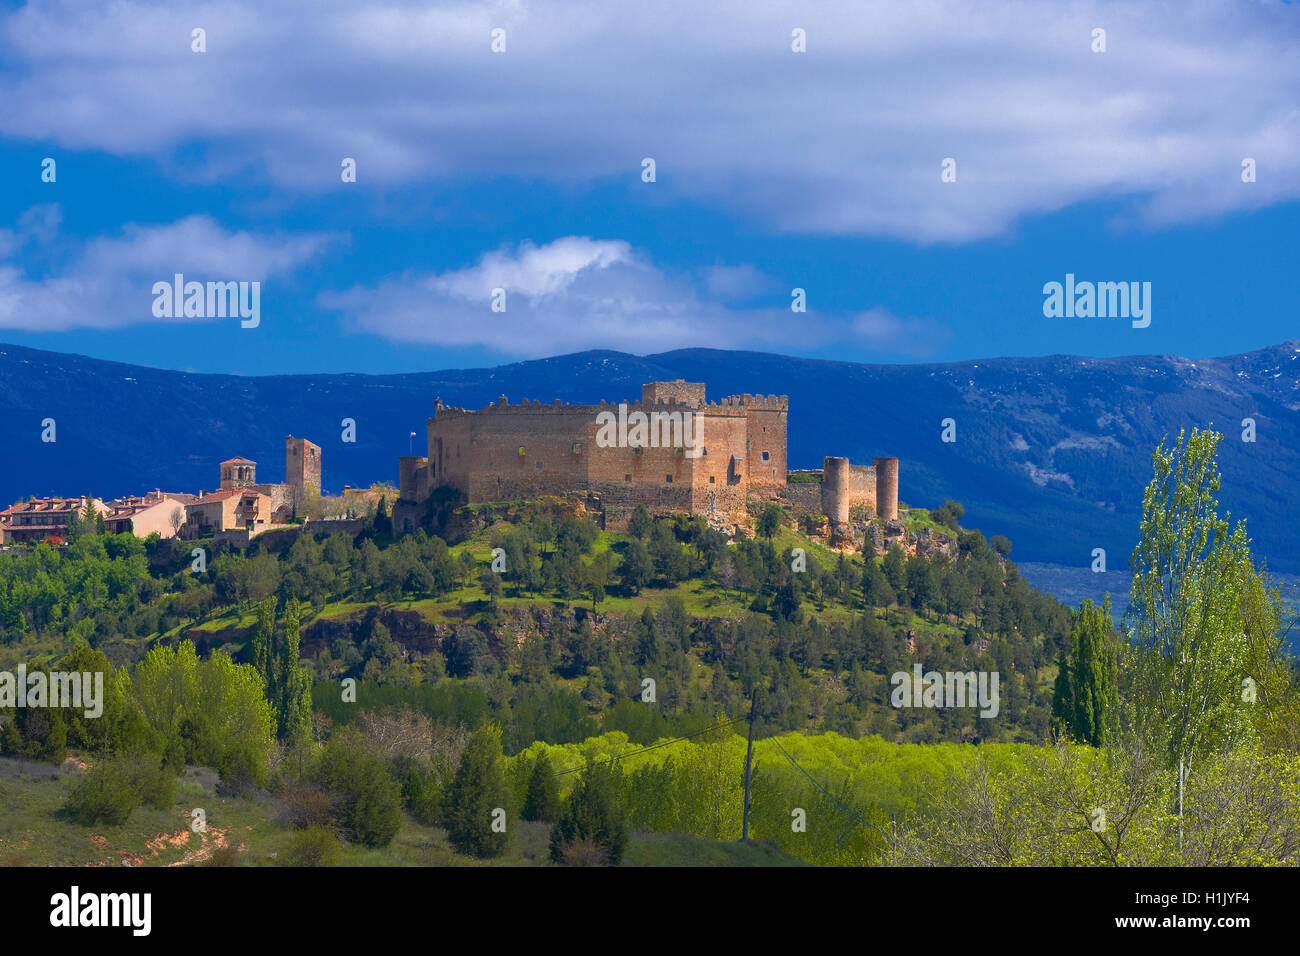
(671, 452)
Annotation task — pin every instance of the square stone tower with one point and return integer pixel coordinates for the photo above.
(301, 463)
(687, 393)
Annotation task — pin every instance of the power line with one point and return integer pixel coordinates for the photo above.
(833, 799)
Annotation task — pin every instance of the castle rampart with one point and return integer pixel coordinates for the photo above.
(671, 451)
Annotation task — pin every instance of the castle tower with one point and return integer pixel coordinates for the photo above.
(413, 477)
(835, 489)
(680, 391)
(887, 488)
(301, 463)
(238, 473)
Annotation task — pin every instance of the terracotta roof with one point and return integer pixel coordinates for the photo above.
(239, 461)
(228, 493)
(46, 505)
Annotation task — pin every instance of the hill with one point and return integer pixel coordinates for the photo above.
(1052, 451)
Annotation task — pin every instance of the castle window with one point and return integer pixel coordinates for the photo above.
(539, 466)
(627, 478)
(712, 479)
(765, 456)
(668, 478)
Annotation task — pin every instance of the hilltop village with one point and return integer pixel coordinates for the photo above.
(671, 452)
(240, 508)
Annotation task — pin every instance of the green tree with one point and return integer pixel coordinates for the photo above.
(769, 522)
(894, 566)
(476, 792)
(1085, 698)
(594, 815)
(637, 567)
(368, 800)
(638, 526)
(1197, 608)
(293, 681)
(276, 652)
(542, 799)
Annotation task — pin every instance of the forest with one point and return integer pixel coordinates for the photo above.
(538, 669)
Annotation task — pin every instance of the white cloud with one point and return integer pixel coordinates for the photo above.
(579, 293)
(107, 282)
(738, 283)
(846, 138)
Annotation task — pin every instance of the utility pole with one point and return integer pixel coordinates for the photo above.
(749, 756)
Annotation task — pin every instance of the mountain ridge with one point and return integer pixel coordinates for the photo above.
(1053, 451)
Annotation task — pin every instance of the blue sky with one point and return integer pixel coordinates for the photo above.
(523, 170)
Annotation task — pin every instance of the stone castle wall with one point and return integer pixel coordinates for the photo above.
(528, 450)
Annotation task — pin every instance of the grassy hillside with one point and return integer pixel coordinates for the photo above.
(245, 831)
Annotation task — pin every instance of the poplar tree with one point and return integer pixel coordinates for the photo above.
(1200, 618)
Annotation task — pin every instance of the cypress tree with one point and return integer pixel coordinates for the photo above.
(1085, 698)
(293, 684)
(1093, 663)
(1062, 698)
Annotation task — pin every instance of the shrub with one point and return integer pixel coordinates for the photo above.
(154, 783)
(314, 846)
(305, 806)
(422, 794)
(227, 855)
(106, 794)
(368, 801)
(583, 853)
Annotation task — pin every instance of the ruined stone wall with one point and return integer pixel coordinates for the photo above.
(862, 487)
(722, 478)
(657, 478)
(802, 498)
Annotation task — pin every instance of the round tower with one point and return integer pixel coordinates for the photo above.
(887, 488)
(835, 489)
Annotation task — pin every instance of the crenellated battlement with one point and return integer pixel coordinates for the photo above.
(718, 454)
(775, 403)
